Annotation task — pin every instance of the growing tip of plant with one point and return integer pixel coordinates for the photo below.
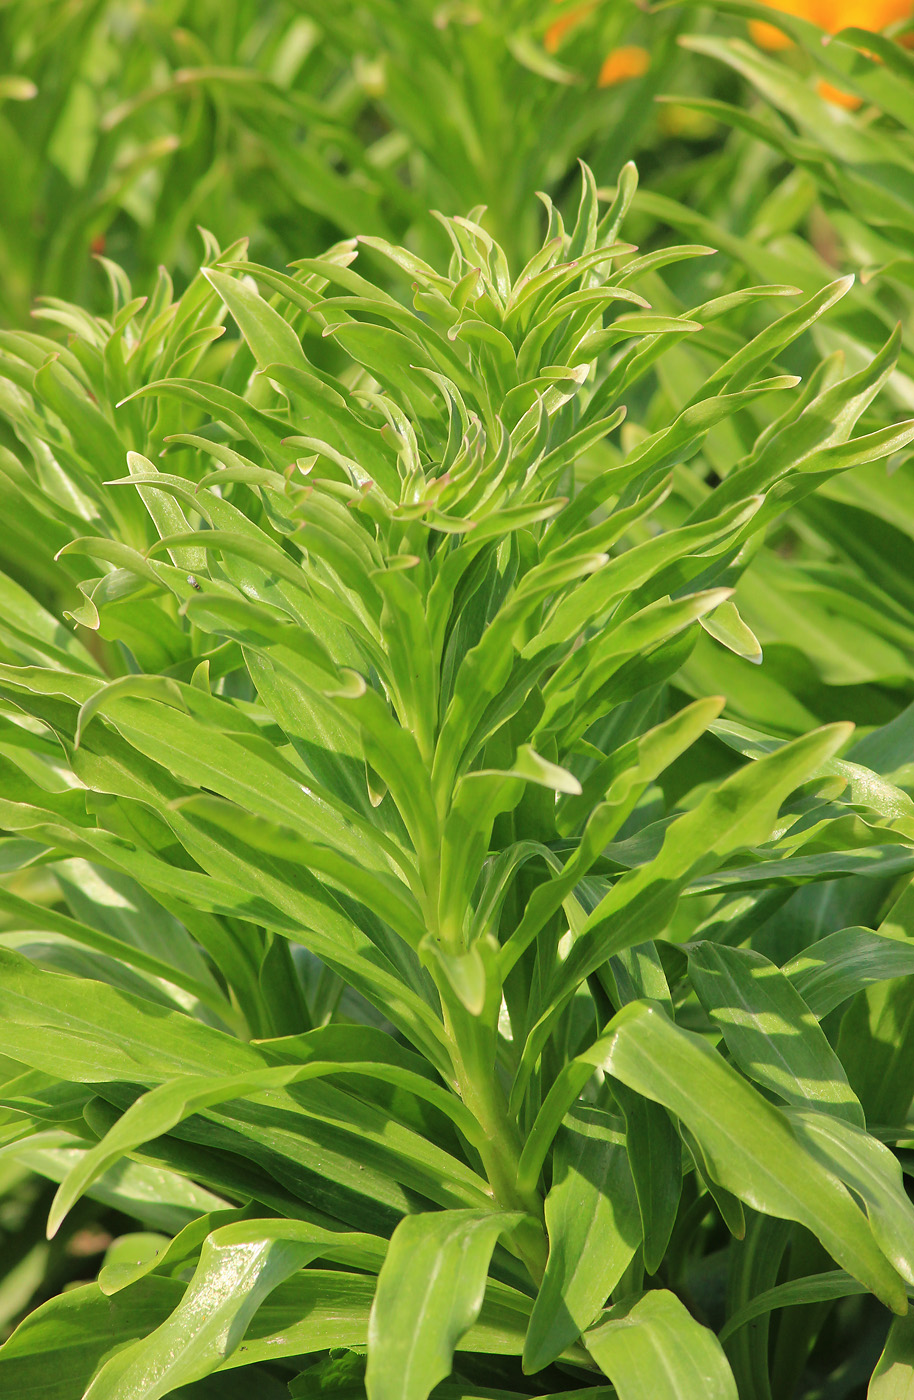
(56, 1215)
(352, 686)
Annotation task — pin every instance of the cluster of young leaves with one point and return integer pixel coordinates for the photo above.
(416, 998)
(125, 125)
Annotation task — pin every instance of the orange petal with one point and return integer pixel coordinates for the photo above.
(832, 15)
(837, 97)
(826, 13)
(767, 36)
(867, 14)
(629, 62)
(555, 34)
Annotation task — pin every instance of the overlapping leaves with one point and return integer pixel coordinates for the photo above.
(374, 718)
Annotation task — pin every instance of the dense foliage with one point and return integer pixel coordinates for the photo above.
(452, 941)
(294, 122)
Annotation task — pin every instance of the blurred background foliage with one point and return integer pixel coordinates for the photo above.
(127, 123)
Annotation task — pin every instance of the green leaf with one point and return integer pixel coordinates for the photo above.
(240, 1265)
(155, 1113)
(534, 769)
(741, 812)
(593, 600)
(248, 422)
(55, 1352)
(844, 963)
(386, 894)
(593, 1224)
(171, 956)
(430, 1291)
(821, 1288)
(872, 1172)
(770, 1032)
(319, 1310)
(623, 776)
(270, 337)
(893, 1378)
(653, 1347)
(159, 688)
(130, 1257)
(86, 1032)
(655, 1159)
(726, 626)
(167, 515)
(156, 1196)
(749, 1145)
(742, 367)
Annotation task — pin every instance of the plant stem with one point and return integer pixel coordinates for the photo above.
(500, 1147)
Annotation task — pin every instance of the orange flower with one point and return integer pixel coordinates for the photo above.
(866, 14)
(831, 15)
(629, 62)
(768, 36)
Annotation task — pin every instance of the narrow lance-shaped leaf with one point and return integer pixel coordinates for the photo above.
(872, 1172)
(819, 1288)
(655, 1157)
(844, 963)
(594, 1229)
(270, 337)
(430, 1291)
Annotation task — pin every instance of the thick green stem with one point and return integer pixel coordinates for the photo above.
(500, 1145)
(473, 1046)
